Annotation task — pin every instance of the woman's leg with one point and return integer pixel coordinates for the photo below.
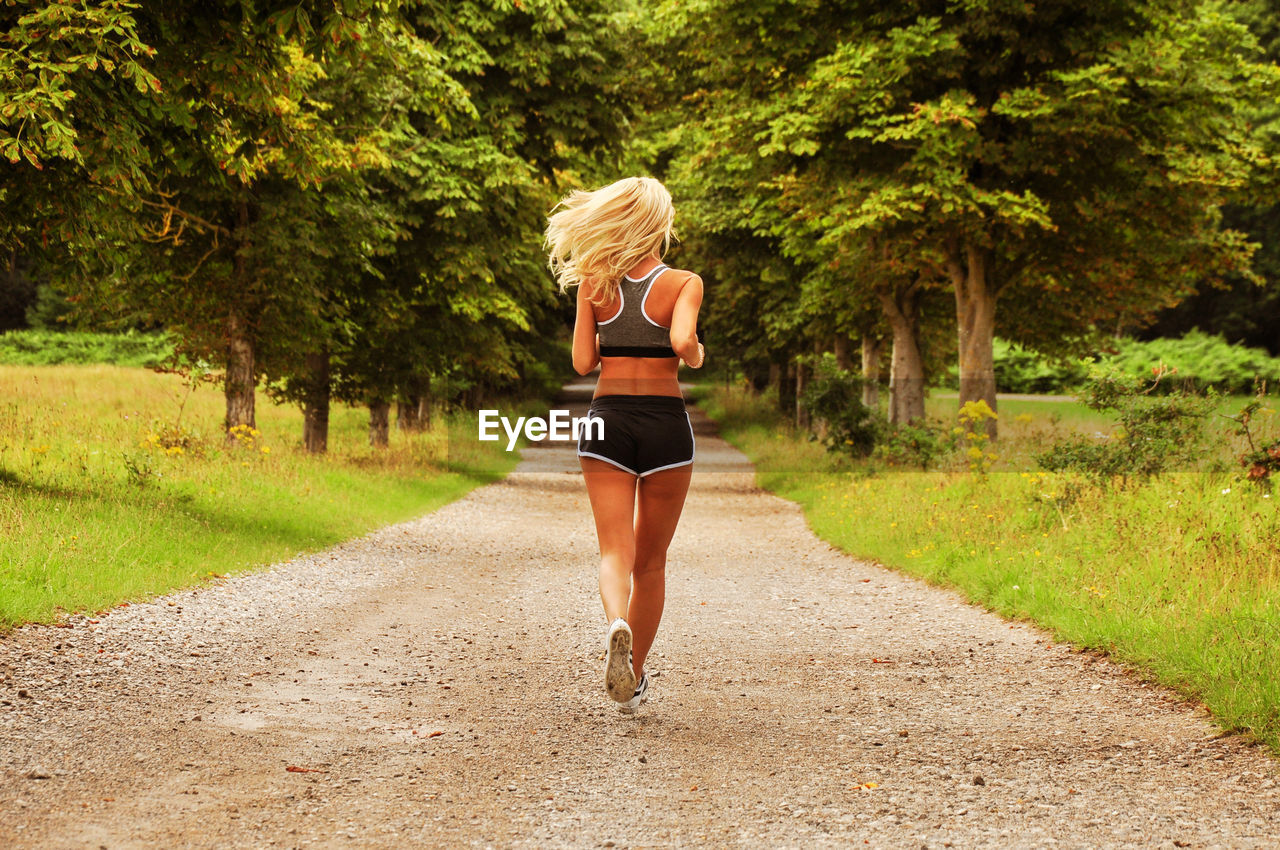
(661, 500)
(612, 492)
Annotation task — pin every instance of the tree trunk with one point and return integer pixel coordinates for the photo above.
(976, 317)
(315, 404)
(241, 380)
(803, 421)
(787, 388)
(841, 347)
(872, 347)
(817, 424)
(906, 372)
(407, 414)
(413, 413)
(379, 423)
(758, 377)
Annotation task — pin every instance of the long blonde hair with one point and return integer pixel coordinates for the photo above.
(597, 237)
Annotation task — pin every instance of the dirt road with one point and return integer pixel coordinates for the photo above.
(438, 684)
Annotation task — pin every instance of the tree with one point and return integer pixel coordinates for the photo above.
(73, 86)
(73, 82)
(1066, 158)
(262, 105)
(464, 298)
(1245, 309)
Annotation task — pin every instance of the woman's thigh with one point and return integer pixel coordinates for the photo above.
(612, 492)
(660, 498)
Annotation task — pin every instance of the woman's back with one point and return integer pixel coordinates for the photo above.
(636, 357)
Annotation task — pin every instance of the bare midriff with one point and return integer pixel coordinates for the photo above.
(638, 376)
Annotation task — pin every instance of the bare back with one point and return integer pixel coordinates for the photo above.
(645, 375)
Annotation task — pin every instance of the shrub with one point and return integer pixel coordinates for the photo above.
(1201, 360)
(1023, 370)
(834, 395)
(920, 444)
(1263, 457)
(1156, 433)
(973, 417)
(52, 348)
(174, 440)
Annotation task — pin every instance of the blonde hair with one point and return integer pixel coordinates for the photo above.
(597, 237)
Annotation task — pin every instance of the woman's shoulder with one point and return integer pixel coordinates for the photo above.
(681, 277)
(593, 290)
(686, 284)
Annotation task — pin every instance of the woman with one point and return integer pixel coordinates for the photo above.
(637, 319)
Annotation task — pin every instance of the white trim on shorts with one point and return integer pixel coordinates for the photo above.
(668, 466)
(693, 447)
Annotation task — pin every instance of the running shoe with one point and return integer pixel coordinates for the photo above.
(641, 694)
(619, 678)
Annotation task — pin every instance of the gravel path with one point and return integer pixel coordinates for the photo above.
(438, 683)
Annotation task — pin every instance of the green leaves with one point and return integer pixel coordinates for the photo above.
(50, 52)
(1085, 146)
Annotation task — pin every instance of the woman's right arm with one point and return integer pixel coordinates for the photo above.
(586, 345)
(684, 322)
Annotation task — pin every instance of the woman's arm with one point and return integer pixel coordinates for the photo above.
(586, 344)
(684, 322)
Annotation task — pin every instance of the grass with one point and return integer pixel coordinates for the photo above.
(106, 495)
(1178, 576)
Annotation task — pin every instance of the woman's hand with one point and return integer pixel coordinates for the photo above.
(702, 355)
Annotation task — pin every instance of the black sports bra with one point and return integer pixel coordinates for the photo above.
(630, 332)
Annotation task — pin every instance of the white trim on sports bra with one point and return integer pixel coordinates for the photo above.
(660, 265)
(622, 302)
(645, 299)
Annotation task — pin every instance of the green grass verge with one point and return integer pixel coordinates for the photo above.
(94, 510)
(1178, 577)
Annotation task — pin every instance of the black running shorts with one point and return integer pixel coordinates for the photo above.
(642, 433)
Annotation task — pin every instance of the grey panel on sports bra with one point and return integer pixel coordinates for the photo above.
(630, 327)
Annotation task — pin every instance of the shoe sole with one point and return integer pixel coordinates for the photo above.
(619, 678)
(628, 708)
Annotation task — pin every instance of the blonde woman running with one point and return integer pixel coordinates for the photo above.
(637, 319)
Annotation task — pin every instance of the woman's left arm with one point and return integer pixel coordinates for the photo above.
(684, 322)
(586, 344)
